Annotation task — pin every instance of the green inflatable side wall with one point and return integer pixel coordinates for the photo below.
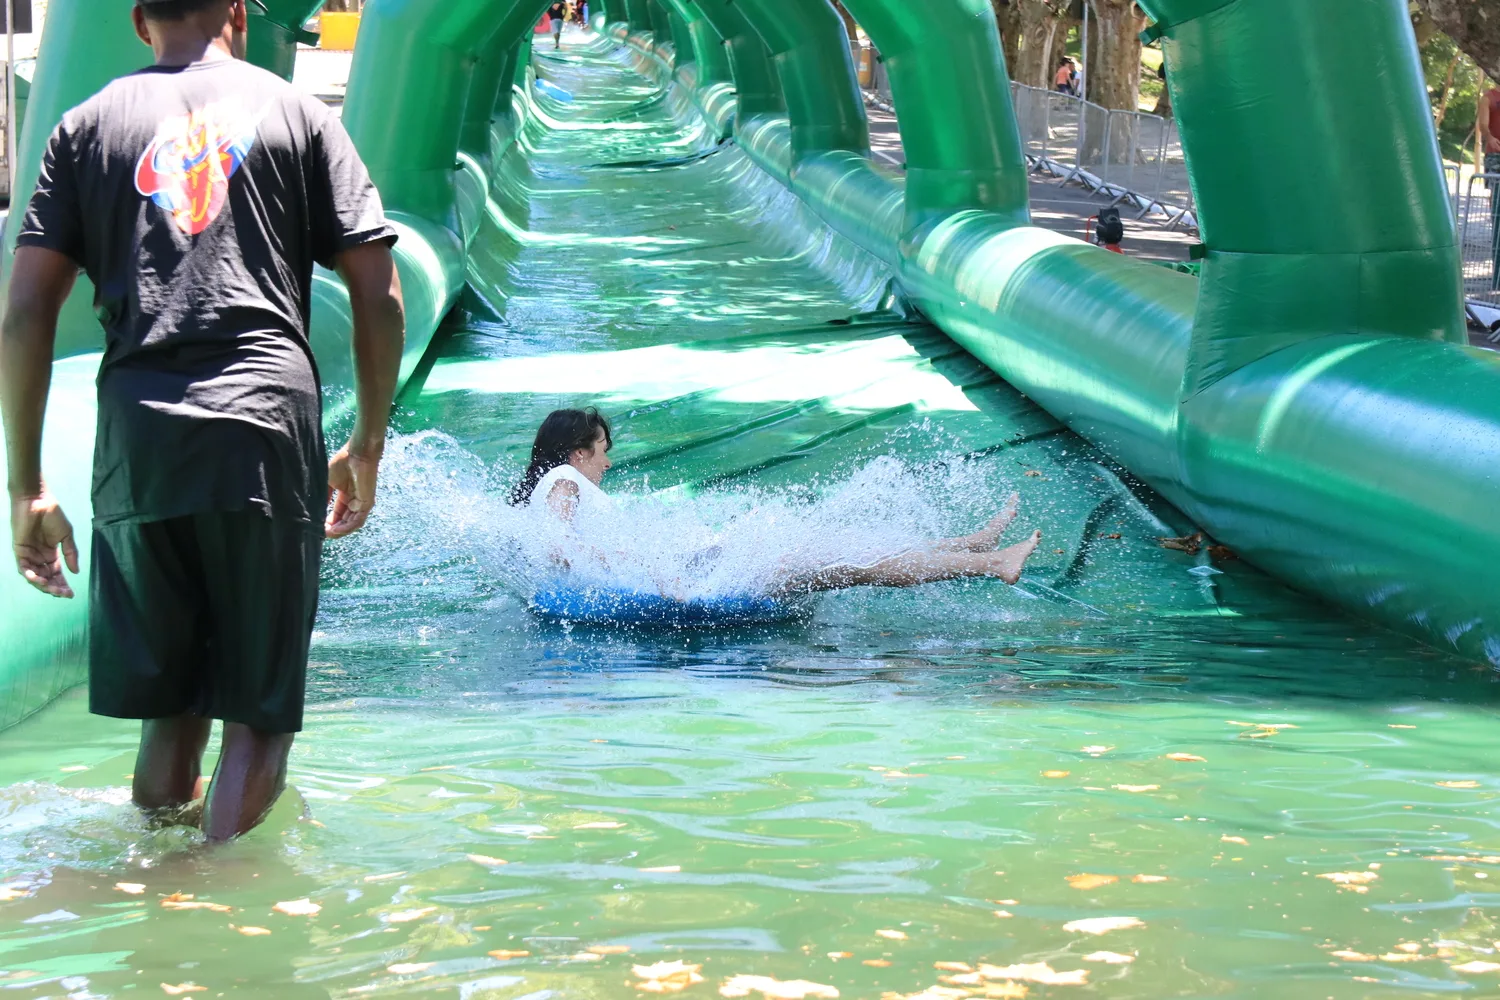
(1308, 401)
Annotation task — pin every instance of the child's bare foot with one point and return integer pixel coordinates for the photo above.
(1010, 562)
(986, 539)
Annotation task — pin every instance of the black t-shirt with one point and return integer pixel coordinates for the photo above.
(197, 199)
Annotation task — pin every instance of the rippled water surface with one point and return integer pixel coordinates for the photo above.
(1142, 773)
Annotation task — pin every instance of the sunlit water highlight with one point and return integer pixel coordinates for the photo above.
(489, 806)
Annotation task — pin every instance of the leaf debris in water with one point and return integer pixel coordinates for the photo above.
(876, 963)
(667, 977)
(486, 860)
(185, 901)
(1102, 925)
(298, 907)
(774, 989)
(1137, 788)
(181, 988)
(407, 916)
(1109, 957)
(506, 956)
(1228, 839)
(1352, 956)
(9, 893)
(1096, 750)
(1186, 757)
(1476, 967)
(1458, 784)
(1090, 881)
(891, 935)
(600, 825)
(1148, 879)
(1353, 881)
(609, 949)
(953, 966)
(1036, 972)
(249, 931)
(133, 888)
(1056, 774)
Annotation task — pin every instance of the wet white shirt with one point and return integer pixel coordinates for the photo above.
(591, 499)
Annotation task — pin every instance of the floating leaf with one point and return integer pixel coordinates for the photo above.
(1088, 881)
(836, 955)
(1037, 972)
(1096, 750)
(1109, 957)
(1352, 956)
(667, 977)
(185, 901)
(74, 769)
(609, 949)
(1137, 788)
(1056, 774)
(1102, 925)
(773, 989)
(1185, 757)
(506, 956)
(1401, 956)
(181, 988)
(1227, 839)
(1397, 725)
(1458, 784)
(1149, 879)
(1187, 543)
(1410, 947)
(953, 966)
(876, 963)
(891, 935)
(298, 908)
(600, 825)
(407, 968)
(1476, 967)
(486, 860)
(407, 916)
(585, 956)
(1004, 914)
(1007, 991)
(133, 888)
(1353, 881)
(249, 931)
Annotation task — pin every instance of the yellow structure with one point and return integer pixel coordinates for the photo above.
(339, 31)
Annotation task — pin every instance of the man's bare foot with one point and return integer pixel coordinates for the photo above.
(986, 539)
(1008, 563)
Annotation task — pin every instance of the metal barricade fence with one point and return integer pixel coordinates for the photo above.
(1479, 205)
(1131, 156)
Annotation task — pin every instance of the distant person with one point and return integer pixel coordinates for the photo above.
(1489, 132)
(559, 13)
(571, 455)
(1063, 79)
(196, 195)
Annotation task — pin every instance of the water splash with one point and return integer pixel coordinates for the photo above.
(445, 521)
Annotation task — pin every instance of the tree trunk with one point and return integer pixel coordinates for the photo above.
(1042, 32)
(1474, 26)
(1114, 79)
(1442, 111)
(1008, 14)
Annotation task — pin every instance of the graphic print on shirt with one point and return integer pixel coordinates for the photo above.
(187, 167)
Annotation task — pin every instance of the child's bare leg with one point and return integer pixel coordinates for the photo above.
(985, 539)
(912, 569)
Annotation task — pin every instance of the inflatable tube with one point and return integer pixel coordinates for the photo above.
(597, 606)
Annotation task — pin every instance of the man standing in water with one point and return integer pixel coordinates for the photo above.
(196, 195)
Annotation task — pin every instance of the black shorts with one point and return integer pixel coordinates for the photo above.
(209, 615)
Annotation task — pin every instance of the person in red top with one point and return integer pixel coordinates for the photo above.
(1489, 133)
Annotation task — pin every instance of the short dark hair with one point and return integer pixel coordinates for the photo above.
(176, 10)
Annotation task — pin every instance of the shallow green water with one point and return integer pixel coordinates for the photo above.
(769, 801)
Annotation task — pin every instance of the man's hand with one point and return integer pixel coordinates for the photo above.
(38, 529)
(351, 481)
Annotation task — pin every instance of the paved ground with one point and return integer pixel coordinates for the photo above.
(1053, 205)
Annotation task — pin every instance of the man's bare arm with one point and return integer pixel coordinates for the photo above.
(369, 272)
(39, 284)
(1488, 141)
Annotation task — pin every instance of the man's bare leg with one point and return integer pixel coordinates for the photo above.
(169, 762)
(249, 779)
(988, 537)
(913, 569)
